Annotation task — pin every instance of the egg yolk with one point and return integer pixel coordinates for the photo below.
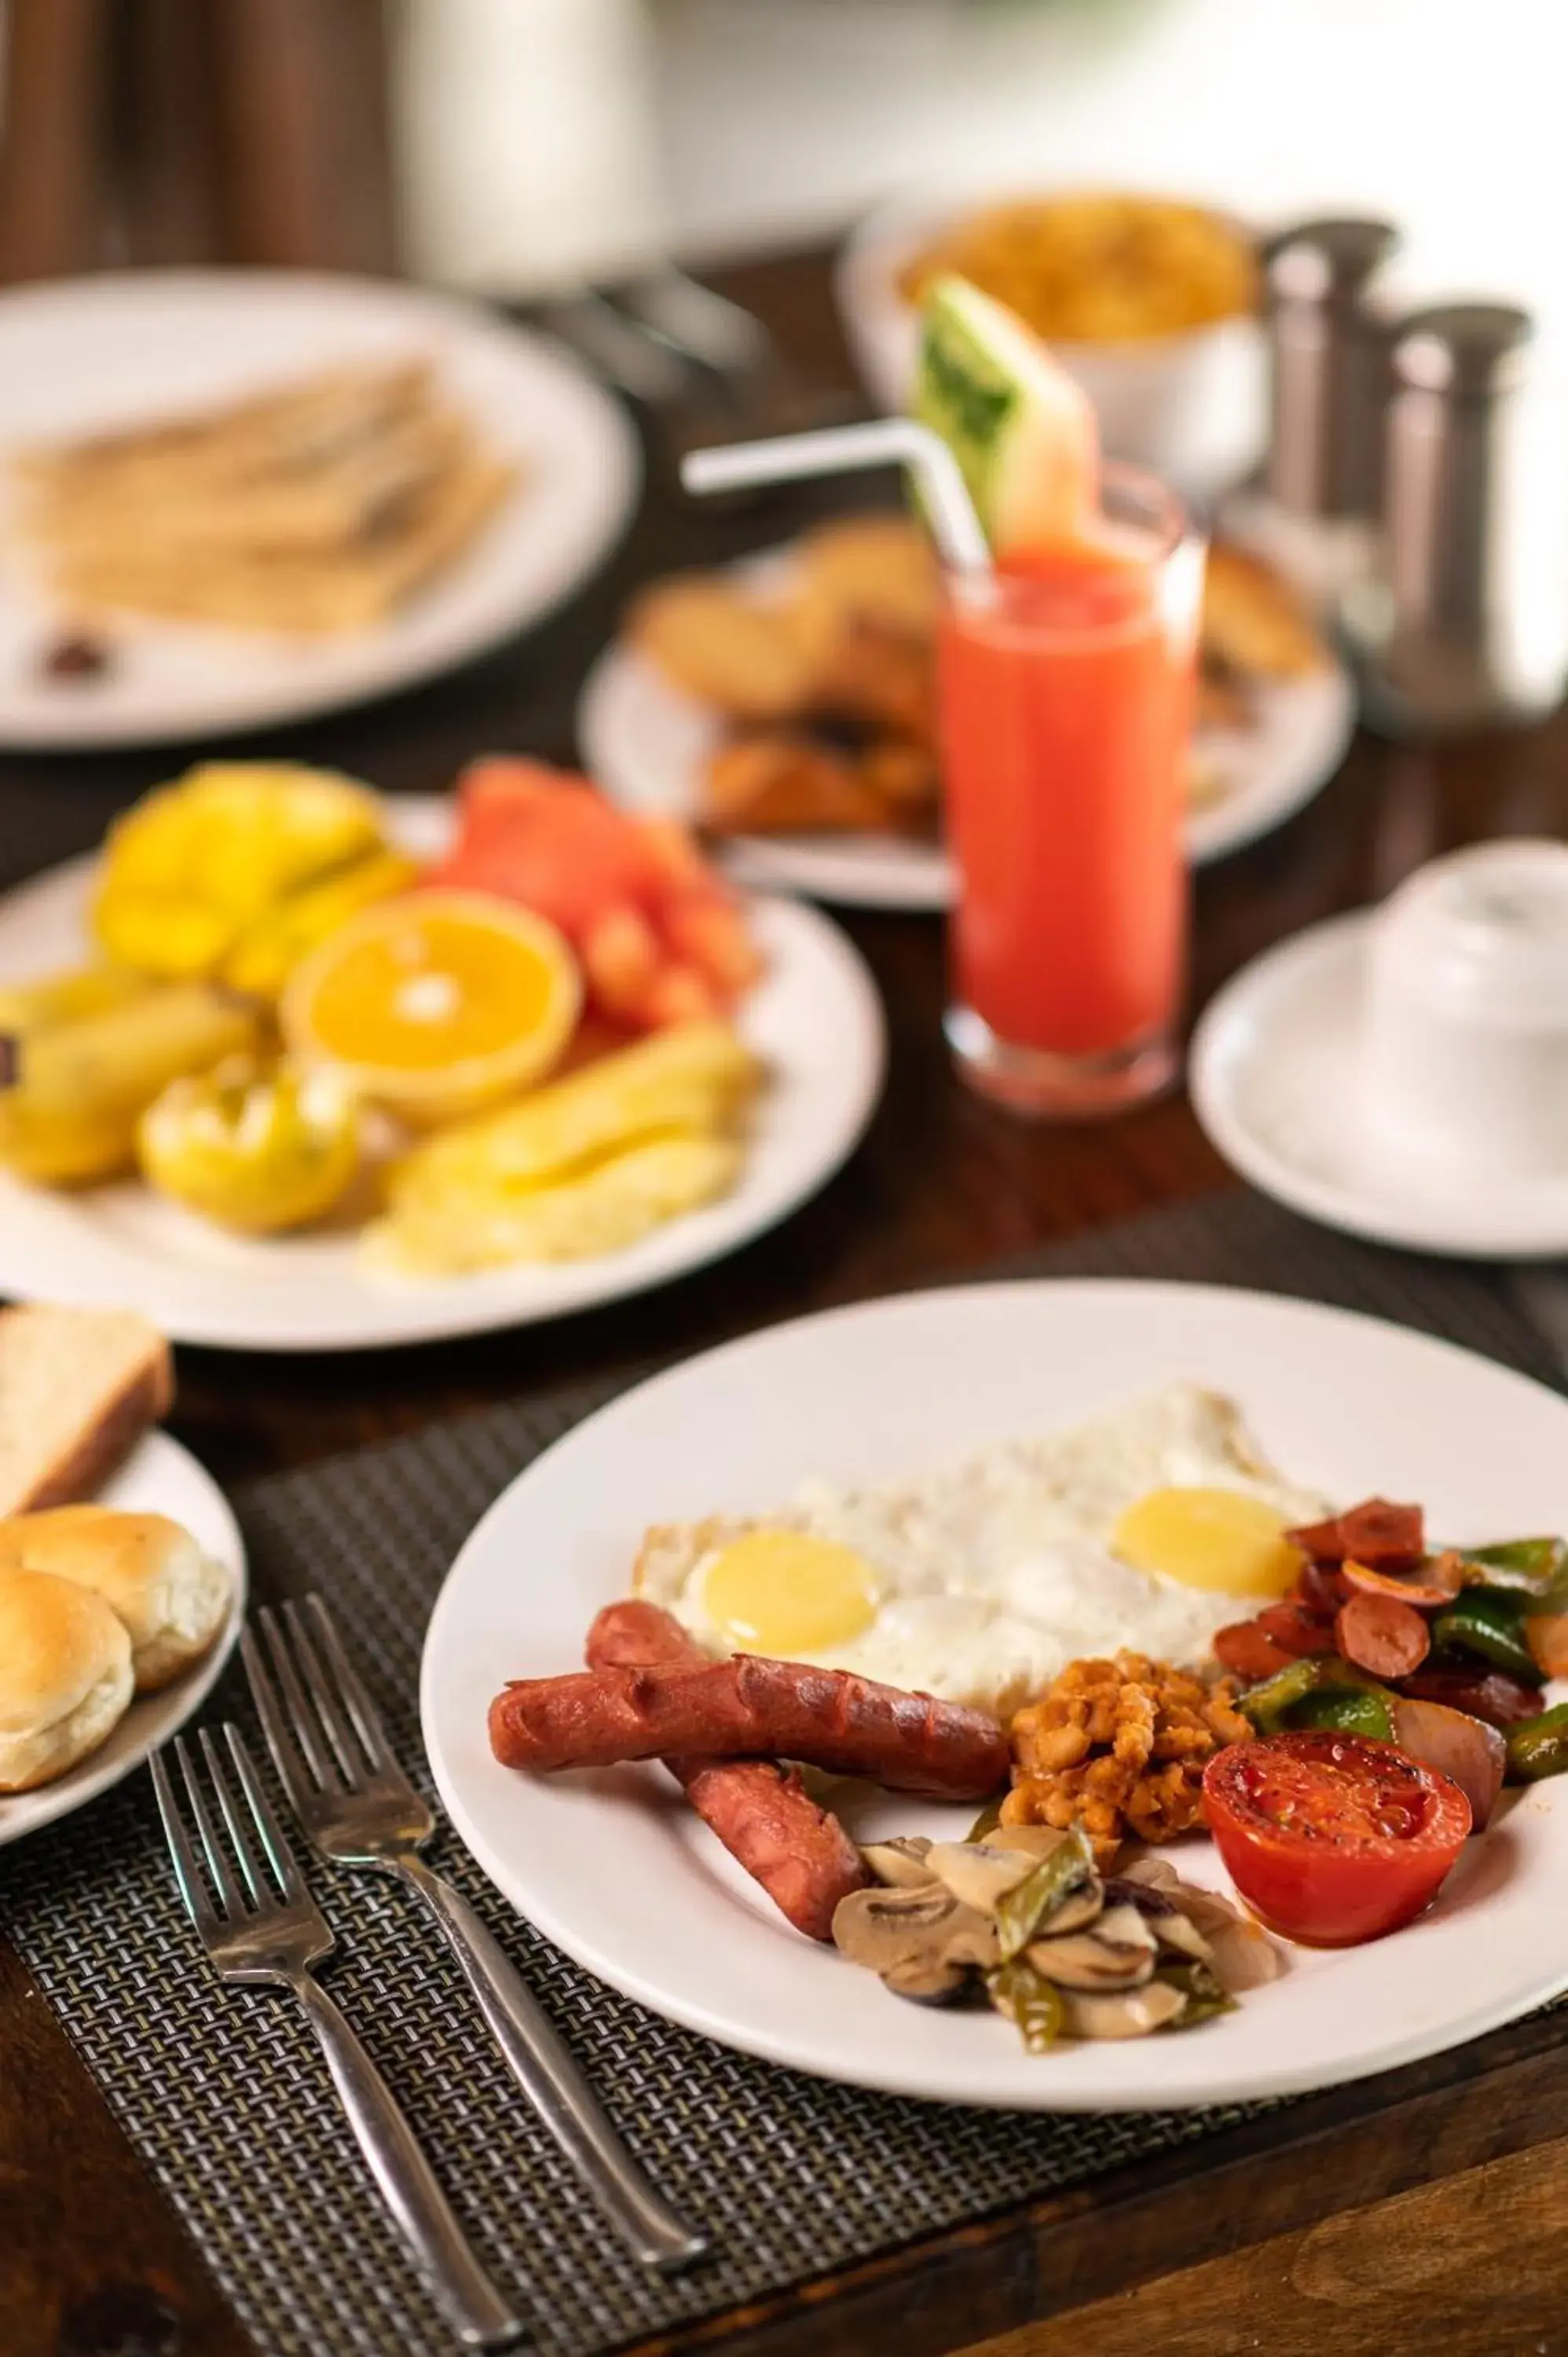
(786, 1593)
(1218, 1539)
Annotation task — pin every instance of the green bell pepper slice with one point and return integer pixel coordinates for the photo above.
(1538, 1747)
(1319, 1682)
(1024, 1910)
(1537, 1566)
(1489, 1622)
(1266, 1704)
(1351, 1710)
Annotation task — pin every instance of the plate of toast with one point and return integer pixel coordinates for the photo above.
(786, 705)
(122, 1569)
(229, 499)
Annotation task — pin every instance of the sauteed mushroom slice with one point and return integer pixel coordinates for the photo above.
(1118, 1953)
(1120, 1926)
(1130, 2013)
(1163, 1916)
(1206, 1908)
(913, 1932)
(977, 1874)
(1077, 1910)
(1038, 1840)
(930, 1980)
(1245, 1957)
(900, 1864)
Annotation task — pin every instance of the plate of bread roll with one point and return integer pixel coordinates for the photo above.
(122, 1569)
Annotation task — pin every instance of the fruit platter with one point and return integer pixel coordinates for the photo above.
(292, 1059)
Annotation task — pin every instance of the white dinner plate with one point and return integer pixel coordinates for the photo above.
(618, 1873)
(815, 1019)
(160, 1477)
(1274, 1080)
(648, 744)
(128, 347)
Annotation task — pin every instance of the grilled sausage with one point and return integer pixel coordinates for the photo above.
(749, 1707)
(762, 1813)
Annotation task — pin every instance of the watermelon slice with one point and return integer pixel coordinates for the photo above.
(1022, 433)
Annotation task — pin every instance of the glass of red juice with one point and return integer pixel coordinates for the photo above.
(1065, 686)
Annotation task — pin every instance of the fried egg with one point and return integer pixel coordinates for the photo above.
(1149, 1527)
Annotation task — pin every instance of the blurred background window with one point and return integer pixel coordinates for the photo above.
(779, 117)
(512, 147)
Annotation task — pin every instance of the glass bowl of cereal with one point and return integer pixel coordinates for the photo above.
(1150, 301)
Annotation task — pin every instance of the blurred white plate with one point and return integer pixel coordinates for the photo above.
(613, 1868)
(1275, 1082)
(90, 354)
(158, 1477)
(648, 744)
(815, 1019)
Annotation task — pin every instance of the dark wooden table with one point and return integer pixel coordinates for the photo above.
(1365, 2220)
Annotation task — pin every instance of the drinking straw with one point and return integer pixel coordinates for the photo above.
(845, 450)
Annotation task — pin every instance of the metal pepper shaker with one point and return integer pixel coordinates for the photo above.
(1466, 623)
(1316, 509)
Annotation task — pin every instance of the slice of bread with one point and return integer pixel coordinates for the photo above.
(77, 1389)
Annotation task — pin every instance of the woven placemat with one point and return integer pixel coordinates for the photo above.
(223, 2093)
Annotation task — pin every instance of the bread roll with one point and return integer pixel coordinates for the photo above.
(65, 1676)
(150, 1572)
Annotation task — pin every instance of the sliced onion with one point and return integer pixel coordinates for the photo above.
(1245, 1957)
(1546, 1634)
(1464, 1749)
(1427, 1592)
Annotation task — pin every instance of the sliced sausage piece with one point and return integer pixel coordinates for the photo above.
(761, 1812)
(1320, 1542)
(749, 1707)
(1294, 1630)
(1321, 1590)
(1382, 1636)
(1384, 1536)
(1249, 1652)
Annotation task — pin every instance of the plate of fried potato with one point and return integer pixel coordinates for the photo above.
(786, 707)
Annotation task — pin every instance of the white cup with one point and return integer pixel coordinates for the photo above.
(1465, 1056)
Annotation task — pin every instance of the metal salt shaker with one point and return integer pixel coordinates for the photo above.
(1315, 508)
(1467, 622)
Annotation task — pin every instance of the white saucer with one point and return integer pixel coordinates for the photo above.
(1273, 1081)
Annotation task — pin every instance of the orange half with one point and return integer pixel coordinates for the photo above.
(437, 1005)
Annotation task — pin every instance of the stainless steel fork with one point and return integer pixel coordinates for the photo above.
(274, 1932)
(360, 1809)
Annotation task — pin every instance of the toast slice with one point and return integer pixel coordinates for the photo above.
(77, 1389)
